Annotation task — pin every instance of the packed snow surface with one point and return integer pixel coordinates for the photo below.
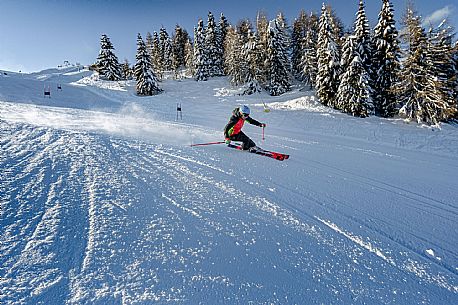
(103, 201)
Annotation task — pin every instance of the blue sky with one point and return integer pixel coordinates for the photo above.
(40, 34)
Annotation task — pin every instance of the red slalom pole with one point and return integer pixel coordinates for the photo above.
(209, 143)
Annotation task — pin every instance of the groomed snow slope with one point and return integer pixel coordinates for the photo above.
(103, 201)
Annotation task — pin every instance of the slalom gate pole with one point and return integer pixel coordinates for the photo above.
(210, 143)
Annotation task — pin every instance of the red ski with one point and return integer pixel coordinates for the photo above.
(263, 152)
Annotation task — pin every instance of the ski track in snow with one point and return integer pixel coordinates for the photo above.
(192, 232)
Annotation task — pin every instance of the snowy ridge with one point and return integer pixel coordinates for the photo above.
(103, 201)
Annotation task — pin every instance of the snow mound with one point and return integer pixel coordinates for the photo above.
(94, 81)
(309, 103)
(227, 91)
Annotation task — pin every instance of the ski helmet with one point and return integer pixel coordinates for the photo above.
(244, 110)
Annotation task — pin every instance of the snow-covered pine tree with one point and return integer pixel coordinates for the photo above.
(309, 60)
(155, 54)
(353, 92)
(200, 55)
(189, 58)
(279, 74)
(229, 47)
(244, 26)
(236, 64)
(413, 80)
(213, 50)
(144, 74)
(107, 63)
(165, 48)
(385, 62)
(441, 74)
(284, 31)
(344, 90)
(328, 53)
(250, 52)
(337, 30)
(363, 40)
(297, 44)
(178, 47)
(223, 26)
(262, 25)
(242, 59)
(127, 71)
(149, 42)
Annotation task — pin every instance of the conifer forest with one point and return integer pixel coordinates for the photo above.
(398, 68)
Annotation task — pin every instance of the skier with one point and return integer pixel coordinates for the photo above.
(233, 129)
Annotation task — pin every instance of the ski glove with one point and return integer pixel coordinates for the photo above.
(263, 125)
(227, 141)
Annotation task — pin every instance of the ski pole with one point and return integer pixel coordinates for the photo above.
(209, 143)
(263, 138)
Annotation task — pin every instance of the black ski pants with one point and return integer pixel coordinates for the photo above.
(247, 143)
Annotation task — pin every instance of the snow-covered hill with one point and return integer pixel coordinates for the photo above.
(103, 201)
